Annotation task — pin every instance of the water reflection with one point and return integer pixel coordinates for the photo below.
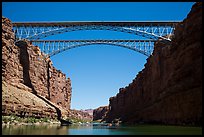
(99, 129)
(34, 130)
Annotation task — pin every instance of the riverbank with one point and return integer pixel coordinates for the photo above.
(15, 120)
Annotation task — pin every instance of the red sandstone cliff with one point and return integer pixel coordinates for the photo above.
(169, 89)
(80, 115)
(26, 72)
(100, 113)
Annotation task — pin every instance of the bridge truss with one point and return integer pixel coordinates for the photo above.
(39, 30)
(151, 30)
(53, 47)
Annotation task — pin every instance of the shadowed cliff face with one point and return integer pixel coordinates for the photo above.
(169, 89)
(24, 61)
(100, 113)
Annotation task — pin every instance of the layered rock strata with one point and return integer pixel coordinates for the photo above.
(26, 69)
(169, 89)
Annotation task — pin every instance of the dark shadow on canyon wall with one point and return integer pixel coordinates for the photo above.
(48, 78)
(24, 60)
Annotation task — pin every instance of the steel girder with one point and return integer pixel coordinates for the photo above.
(150, 30)
(53, 47)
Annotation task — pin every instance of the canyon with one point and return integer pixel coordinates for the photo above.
(31, 85)
(167, 91)
(169, 88)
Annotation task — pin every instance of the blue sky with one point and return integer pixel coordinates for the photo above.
(97, 72)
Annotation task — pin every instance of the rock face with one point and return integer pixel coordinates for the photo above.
(100, 113)
(21, 102)
(81, 115)
(60, 88)
(25, 67)
(169, 89)
(89, 111)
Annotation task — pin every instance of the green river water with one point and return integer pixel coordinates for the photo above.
(98, 129)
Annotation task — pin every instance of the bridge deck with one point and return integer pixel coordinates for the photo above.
(95, 40)
(114, 23)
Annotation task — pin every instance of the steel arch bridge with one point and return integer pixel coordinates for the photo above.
(149, 29)
(53, 47)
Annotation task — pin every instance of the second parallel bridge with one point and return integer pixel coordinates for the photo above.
(53, 47)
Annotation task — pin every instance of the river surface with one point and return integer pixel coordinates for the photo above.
(98, 129)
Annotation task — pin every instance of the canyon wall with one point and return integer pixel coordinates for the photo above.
(169, 89)
(100, 113)
(26, 69)
(80, 115)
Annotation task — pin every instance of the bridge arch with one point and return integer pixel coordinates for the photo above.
(88, 44)
(53, 47)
